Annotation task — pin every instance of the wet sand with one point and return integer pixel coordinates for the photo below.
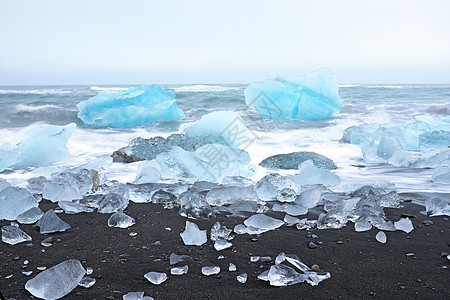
(360, 266)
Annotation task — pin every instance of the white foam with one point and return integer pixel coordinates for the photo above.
(30, 108)
(112, 88)
(36, 92)
(204, 88)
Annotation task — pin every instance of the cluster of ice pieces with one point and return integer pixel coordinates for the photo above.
(313, 96)
(41, 146)
(133, 107)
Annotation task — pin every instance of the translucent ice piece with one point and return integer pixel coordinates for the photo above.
(281, 275)
(70, 207)
(179, 270)
(222, 244)
(309, 174)
(220, 232)
(175, 258)
(229, 194)
(31, 216)
(309, 198)
(57, 281)
(267, 187)
(210, 270)
(242, 278)
(120, 220)
(15, 201)
(362, 226)
(192, 235)
(404, 224)
(50, 222)
(156, 277)
(381, 237)
(14, 235)
(87, 282)
(232, 267)
(147, 173)
(293, 160)
(263, 222)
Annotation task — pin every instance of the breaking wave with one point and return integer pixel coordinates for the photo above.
(35, 92)
(101, 88)
(30, 108)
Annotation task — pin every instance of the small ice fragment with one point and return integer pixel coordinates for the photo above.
(232, 267)
(220, 232)
(266, 259)
(30, 216)
(27, 273)
(222, 244)
(220, 257)
(280, 258)
(133, 296)
(70, 207)
(15, 201)
(254, 258)
(87, 282)
(192, 235)
(175, 258)
(41, 268)
(132, 234)
(179, 270)
(240, 229)
(281, 275)
(381, 237)
(404, 224)
(47, 242)
(290, 221)
(263, 223)
(309, 174)
(242, 278)
(155, 277)
(50, 222)
(296, 262)
(14, 235)
(89, 271)
(58, 281)
(210, 270)
(362, 226)
(120, 220)
(264, 276)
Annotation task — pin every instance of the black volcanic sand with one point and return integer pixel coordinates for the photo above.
(360, 266)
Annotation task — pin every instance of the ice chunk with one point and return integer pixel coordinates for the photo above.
(437, 207)
(14, 235)
(192, 235)
(211, 162)
(222, 244)
(136, 296)
(292, 160)
(42, 146)
(175, 258)
(210, 270)
(232, 267)
(30, 216)
(179, 270)
(401, 158)
(70, 207)
(290, 221)
(263, 223)
(87, 282)
(381, 237)
(242, 278)
(237, 181)
(133, 107)
(121, 220)
(147, 173)
(67, 186)
(194, 205)
(3, 184)
(404, 224)
(310, 197)
(230, 194)
(286, 195)
(434, 139)
(267, 187)
(362, 226)
(58, 281)
(293, 210)
(281, 275)
(441, 174)
(147, 149)
(113, 202)
(15, 201)
(156, 277)
(310, 97)
(220, 232)
(222, 127)
(50, 222)
(309, 174)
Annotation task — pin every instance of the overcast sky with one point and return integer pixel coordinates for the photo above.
(110, 42)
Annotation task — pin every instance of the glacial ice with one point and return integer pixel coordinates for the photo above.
(30, 216)
(226, 195)
(116, 199)
(310, 197)
(404, 224)
(194, 205)
(232, 267)
(441, 174)
(222, 244)
(221, 127)
(292, 160)
(286, 195)
(15, 201)
(70, 207)
(192, 235)
(281, 275)
(310, 97)
(57, 281)
(179, 270)
(401, 158)
(120, 220)
(156, 277)
(3, 184)
(362, 226)
(309, 174)
(437, 207)
(42, 146)
(14, 235)
(210, 270)
(67, 186)
(381, 237)
(291, 209)
(267, 187)
(50, 222)
(262, 223)
(147, 173)
(133, 107)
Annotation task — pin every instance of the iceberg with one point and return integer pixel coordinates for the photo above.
(14, 201)
(292, 160)
(222, 127)
(133, 107)
(310, 97)
(58, 281)
(42, 146)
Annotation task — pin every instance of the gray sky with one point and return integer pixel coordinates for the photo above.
(107, 42)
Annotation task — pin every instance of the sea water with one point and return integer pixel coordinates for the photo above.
(22, 107)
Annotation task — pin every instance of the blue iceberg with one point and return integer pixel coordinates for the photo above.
(133, 107)
(42, 146)
(222, 127)
(310, 97)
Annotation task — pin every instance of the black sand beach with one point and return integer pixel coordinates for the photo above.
(360, 266)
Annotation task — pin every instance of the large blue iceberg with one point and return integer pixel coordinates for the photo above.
(133, 107)
(310, 97)
(42, 146)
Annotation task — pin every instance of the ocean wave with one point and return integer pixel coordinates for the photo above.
(204, 88)
(387, 86)
(102, 88)
(35, 92)
(30, 108)
(348, 85)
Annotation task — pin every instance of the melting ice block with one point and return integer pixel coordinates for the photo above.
(404, 224)
(220, 232)
(136, 296)
(121, 220)
(222, 127)
(133, 107)
(15, 201)
(313, 96)
(42, 146)
(309, 174)
(50, 222)
(262, 223)
(192, 235)
(14, 235)
(156, 277)
(58, 281)
(292, 160)
(267, 188)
